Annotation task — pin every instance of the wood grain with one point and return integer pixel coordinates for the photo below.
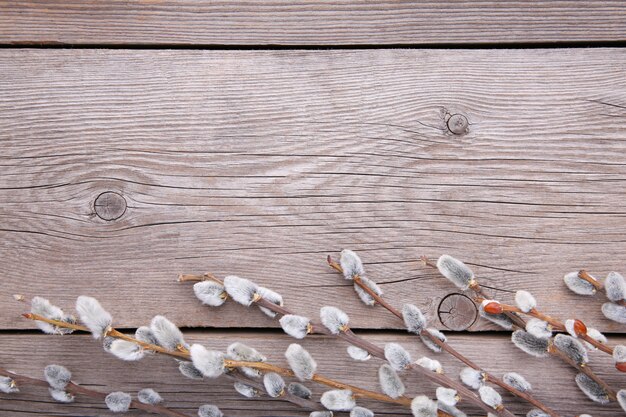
(92, 367)
(260, 163)
(309, 22)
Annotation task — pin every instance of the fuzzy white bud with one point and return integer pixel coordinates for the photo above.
(432, 365)
(274, 384)
(61, 396)
(530, 344)
(414, 319)
(338, 400)
(595, 335)
(422, 406)
(44, 308)
(246, 390)
(118, 402)
(334, 319)
(365, 297)
(592, 389)
(572, 348)
(456, 271)
(57, 376)
(390, 382)
(190, 371)
(525, 301)
(301, 362)
(271, 296)
(615, 287)
(490, 396)
(241, 290)
(614, 312)
(209, 362)
(535, 412)
(447, 396)
(453, 411)
(472, 378)
(621, 398)
(578, 285)
(299, 390)
(539, 328)
(211, 293)
(361, 412)
(517, 381)
(92, 315)
(351, 264)
(619, 353)
(295, 326)
(125, 350)
(241, 352)
(149, 396)
(8, 385)
(209, 410)
(321, 414)
(430, 344)
(168, 335)
(397, 356)
(358, 354)
(144, 334)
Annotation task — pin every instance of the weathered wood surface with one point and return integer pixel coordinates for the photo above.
(310, 22)
(259, 163)
(93, 367)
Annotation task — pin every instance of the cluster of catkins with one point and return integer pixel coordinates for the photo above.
(161, 332)
(537, 338)
(614, 287)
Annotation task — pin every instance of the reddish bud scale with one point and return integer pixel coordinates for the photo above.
(493, 308)
(580, 328)
(621, 366)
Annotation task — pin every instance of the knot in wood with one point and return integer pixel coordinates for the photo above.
(458, 124)
(109, 206)
(457, 311)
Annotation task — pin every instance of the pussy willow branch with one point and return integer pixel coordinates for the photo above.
(374, 350)
(446, 346)
(583, 274)
(228, 363)
(556, 324)
(79, 390)
(520, 323)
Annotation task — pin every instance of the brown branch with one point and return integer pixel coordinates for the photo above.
(79, 390)
(446, 346)
(374, 350)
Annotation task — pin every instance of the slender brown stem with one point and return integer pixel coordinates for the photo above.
(79, 390)
(583, 274)
(446, 346)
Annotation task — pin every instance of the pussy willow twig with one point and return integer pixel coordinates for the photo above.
(583, 274)
(556, 324)
(446, 346)
(80, 390)
(232, 364)
(350, 337)
(520, 323)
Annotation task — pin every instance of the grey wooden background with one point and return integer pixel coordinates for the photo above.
(260, 162)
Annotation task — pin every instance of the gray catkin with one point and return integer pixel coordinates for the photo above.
(530, 344)
(299, 390)
(390, 382)
(614, 312)
(430, 344)
(456, 271)
(301, 362)
(615, 287)
(149, 396)
(57, 376)
(397, 356)
(118, 402)
(572, 348)
(414, 319)
(92, 315)
(168, 335)
(517, 381)
(591, 389)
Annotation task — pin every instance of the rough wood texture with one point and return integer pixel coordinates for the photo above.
(310, 22)
(93, 367)
(260, 163)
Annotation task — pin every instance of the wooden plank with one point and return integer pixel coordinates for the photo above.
(29, 354)
(310, 22)
(259, 163)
